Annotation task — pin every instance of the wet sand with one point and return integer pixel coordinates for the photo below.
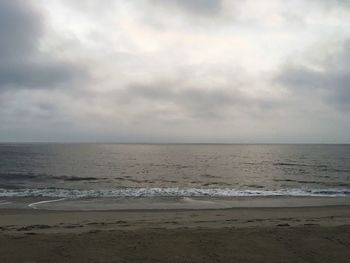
(299, 234)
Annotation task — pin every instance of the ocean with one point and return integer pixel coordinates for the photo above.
(78, 171)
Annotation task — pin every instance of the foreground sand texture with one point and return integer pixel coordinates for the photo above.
(316, 234)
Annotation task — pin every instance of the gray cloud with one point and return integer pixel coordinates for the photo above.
(334, 3)
(198, 7)
(203, 102)
(33, 73)
(20, 28)
(173, 70)
(22, 63)
(196, 103)
(331, 83)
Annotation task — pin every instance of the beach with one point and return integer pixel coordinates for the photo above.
(279, 234)
(174, 203)
(174, 131)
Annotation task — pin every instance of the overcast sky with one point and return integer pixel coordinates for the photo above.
(175, 71)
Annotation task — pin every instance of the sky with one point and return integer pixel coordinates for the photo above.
(191, 71)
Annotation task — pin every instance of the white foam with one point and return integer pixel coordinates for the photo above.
(34, 205)
(170, 192)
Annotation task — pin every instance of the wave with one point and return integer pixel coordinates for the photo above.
(43, 177)
(170, 192)
(326, 184)
(302, 165)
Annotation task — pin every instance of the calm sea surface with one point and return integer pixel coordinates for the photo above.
(122, 170)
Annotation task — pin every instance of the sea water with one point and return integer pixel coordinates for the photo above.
(78, 171)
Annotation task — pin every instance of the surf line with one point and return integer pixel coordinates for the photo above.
(33, 205)
(5, 203)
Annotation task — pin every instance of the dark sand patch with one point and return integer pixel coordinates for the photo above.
(300, 244)
(308, 234)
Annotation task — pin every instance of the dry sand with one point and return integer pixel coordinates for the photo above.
(309, 234)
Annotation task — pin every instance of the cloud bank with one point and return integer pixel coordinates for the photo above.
(22, 63)
(175, 71)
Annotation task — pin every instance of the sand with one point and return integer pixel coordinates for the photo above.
(309, 234)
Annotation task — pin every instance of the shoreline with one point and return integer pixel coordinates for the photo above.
(168, 203)
(55, 221)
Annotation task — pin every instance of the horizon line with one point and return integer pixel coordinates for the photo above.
(179, 143)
